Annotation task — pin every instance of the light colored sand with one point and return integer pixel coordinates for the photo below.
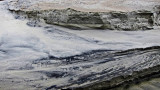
(88, 5)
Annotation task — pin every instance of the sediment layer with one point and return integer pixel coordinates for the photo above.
(127, 68)
(78, 20)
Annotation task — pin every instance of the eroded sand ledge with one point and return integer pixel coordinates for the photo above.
(137, 19)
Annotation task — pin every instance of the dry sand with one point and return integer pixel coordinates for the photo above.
(88, 5)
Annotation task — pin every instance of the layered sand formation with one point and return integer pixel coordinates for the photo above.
(133, 15)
